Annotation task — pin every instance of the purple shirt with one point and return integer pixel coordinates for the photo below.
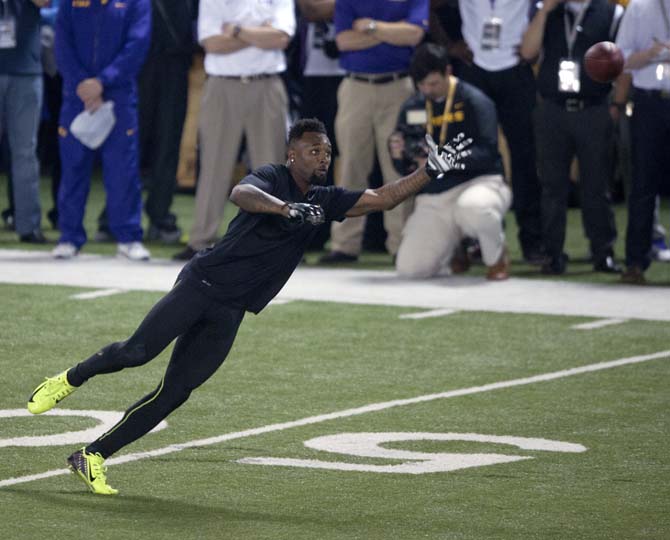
(383, 58)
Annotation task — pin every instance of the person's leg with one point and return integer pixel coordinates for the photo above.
(22, 111)
(77, 164)
(479, 213)
(593, 132)
(172, 316)
(556, 149)
(515, 104)
(355, 137)
(170, 115)
(121, 176)
(197, 355)
(390, 98)
(429, 237)
(649, 133)
(265, 122)
(220, 132)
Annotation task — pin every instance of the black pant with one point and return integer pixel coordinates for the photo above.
(561, 134)
(163, 90)
(513, 92)
(205, 331)
(650, 133)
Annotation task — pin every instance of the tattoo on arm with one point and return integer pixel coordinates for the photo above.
(256, 201)
(403, 188)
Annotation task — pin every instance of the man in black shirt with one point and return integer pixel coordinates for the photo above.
(281, 209)
(471, 202)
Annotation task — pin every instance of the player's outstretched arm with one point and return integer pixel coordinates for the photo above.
(256, 201)
(439, 162)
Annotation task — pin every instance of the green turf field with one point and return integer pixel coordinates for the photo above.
(302, 359)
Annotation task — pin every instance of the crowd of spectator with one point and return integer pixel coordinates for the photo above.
(380, 74)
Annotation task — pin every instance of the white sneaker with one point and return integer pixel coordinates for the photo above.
(64, 250)
(134, 251)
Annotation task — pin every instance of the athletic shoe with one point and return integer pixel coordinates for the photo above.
(165, 235)
(64, 250)
(134, 251)
(48, 394)
(660, 251)
(91, 469)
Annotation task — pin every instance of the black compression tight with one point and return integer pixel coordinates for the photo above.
(205, 331)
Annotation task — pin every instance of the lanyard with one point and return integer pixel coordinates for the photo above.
(453, 81)
(571, 34)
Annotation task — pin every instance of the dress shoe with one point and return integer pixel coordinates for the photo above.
(607, 265)
(634, 275)
(185, 255)
(500, 270)
(337, 257)
(35, 237)
(165, 235)
(555, 266)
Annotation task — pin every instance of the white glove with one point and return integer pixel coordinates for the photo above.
(441, 161)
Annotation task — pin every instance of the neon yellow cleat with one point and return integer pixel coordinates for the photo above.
(91, 469)
(48, 394)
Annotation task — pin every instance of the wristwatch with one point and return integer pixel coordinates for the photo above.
(372, 27)
(236, 30)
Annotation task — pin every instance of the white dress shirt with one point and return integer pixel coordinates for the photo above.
(642, 22)
(514, 16)
(252, 60)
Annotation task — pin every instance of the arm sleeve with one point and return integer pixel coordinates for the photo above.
(68, 63)
(284, 17)
(337, 201)
(128, 62)
(626, 36)
(345, 15)
(484, 132)
(418, 14)
(262, 179)
(209, 20)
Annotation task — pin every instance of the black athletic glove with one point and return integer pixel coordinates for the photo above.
(447, 158)
(300, 213)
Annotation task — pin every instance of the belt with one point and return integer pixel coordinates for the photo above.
(379, 79)
(245, 79)
(659, 94)
(578, 104)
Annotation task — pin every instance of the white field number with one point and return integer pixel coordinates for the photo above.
(105, 421)
(369, 445)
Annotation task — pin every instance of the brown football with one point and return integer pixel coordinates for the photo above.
(603, 62)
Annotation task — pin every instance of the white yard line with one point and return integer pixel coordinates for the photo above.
(598, 324)
(427, 314)
(97, 294)
(374, 407)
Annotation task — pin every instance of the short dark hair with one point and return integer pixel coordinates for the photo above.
(427, 58)
(305, 125)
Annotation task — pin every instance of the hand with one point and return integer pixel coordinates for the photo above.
(397, 145)
(459, 49)
(89, 90)
(300, 212)
(657, 49)
(362, 25)
(441, 161)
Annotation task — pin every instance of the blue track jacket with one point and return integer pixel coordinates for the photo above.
(106, 39)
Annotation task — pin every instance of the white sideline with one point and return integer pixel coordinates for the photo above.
(427, 314)
(91, 295)
(354, 412)
(598, 324)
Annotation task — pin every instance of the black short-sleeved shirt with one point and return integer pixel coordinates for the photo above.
(259, 252)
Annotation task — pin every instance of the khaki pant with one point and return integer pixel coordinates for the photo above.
(229, 109)
(440, 221)
(366, 116)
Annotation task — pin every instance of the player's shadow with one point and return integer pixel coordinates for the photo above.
(171, 513)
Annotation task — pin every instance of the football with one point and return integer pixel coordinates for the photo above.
(603, 62)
